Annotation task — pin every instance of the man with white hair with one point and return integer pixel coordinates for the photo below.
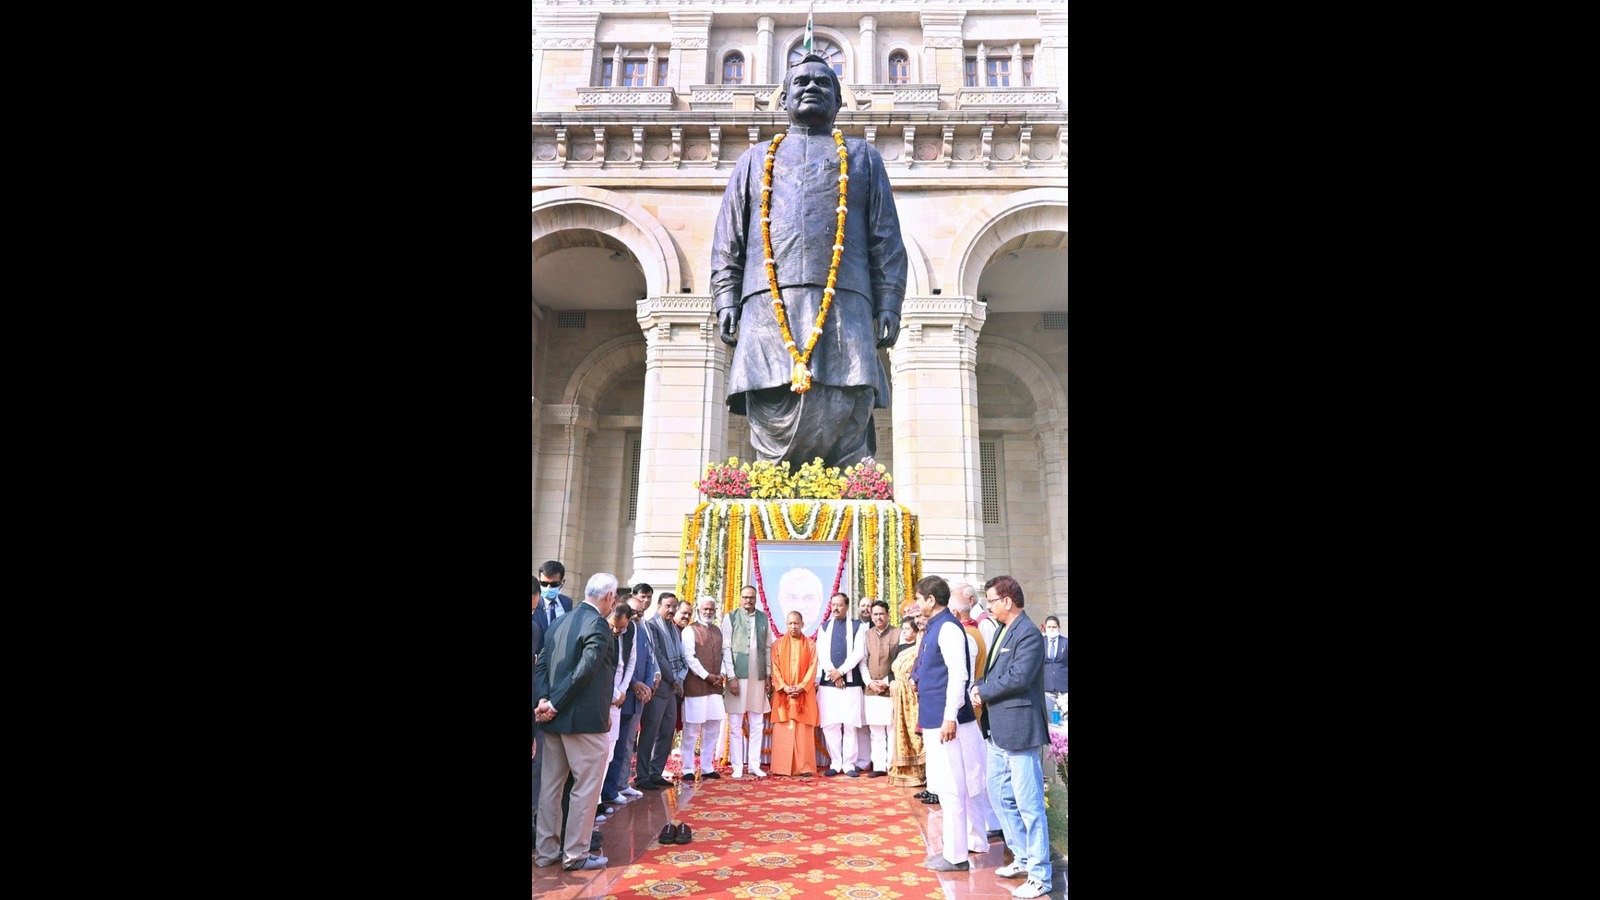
(573, 681)
(703, 712)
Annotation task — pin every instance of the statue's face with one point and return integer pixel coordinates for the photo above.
(811, 95)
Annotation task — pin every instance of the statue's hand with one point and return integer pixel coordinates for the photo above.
(728, 325)
(888, 328)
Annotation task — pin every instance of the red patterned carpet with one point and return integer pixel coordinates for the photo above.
(779, 838)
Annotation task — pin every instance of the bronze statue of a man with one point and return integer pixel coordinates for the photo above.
(805, 369)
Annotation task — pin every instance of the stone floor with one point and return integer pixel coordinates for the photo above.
(628, 833)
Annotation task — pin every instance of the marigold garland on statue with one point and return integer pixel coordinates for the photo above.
(801, 380)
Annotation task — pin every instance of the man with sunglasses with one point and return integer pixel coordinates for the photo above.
(549, 605)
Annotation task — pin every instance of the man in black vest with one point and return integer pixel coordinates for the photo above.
(840, 650)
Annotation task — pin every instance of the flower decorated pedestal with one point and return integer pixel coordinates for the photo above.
(877, 541)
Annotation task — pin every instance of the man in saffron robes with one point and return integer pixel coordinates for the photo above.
(794, 701)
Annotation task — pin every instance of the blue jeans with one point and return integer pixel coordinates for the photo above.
(1016, 789)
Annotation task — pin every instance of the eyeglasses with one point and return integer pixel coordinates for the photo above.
(747, 596)
(543, 583)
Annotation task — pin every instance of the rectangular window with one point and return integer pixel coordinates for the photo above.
(661, 73)
(999, 73)
(605, 73)
(633, 477)
(972, 71)
(1027, 71)
(989, 475)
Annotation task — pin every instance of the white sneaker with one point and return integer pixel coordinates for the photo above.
(758, 773)
(1031, 888)
(630, 792)
(1013, 870)
(618, 800)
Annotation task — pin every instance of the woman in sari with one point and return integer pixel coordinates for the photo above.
(906, 767)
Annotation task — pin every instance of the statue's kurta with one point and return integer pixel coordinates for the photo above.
(834, 419)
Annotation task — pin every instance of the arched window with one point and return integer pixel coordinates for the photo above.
(823, 48)
(899, 68)
(733, 69)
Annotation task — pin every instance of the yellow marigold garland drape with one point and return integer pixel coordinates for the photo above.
(713, 558)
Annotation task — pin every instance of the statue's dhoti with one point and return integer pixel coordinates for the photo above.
(829, 422)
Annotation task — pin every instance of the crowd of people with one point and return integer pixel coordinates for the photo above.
(956, 705)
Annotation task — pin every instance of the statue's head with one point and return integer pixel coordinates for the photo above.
(812, 93)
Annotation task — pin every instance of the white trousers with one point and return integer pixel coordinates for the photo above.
(956, 774)
(741, 748)
(707, 734)
(841, 741)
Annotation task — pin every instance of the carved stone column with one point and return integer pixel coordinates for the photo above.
(942, 50)
(1050, 438)
(561, 490)
(691, 38)
(533, 484)
(867, 65)
(685, 426)
(761, 66)
(1050, 54)
(937, 472)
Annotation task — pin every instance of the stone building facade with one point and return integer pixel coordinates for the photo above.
(640, 110)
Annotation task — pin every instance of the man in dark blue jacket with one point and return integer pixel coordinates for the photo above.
(573, 680)
(1011, 705)
(637, 693)
(549, 605)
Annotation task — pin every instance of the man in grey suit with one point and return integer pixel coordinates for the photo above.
(1012, 713)
(573, 680)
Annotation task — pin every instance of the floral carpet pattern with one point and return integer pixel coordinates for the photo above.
(789, 839)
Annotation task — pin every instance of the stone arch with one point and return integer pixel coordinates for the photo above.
(601, 368)
(839, 39)
(611, 213)
(1040, 209)
(918, 277)
(1029, 368)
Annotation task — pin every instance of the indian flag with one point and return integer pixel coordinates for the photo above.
(809, 24)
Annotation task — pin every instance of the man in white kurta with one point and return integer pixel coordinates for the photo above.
(840, 650)
(703, 712)
(747, 640)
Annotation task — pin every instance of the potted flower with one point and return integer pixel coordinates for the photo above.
(868, 481)
(725, 480)
(1055, 791)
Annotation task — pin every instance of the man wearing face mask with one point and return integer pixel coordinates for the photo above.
(703, 712)
(1055, 662)
(549, 604)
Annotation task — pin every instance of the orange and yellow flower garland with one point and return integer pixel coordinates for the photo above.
(800, 382)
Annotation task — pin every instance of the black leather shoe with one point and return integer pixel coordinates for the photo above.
(831, 773)
(854, 773)
(669, 834)
(661, 782)
(684, 834)
(710, 775)
(649, 786)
